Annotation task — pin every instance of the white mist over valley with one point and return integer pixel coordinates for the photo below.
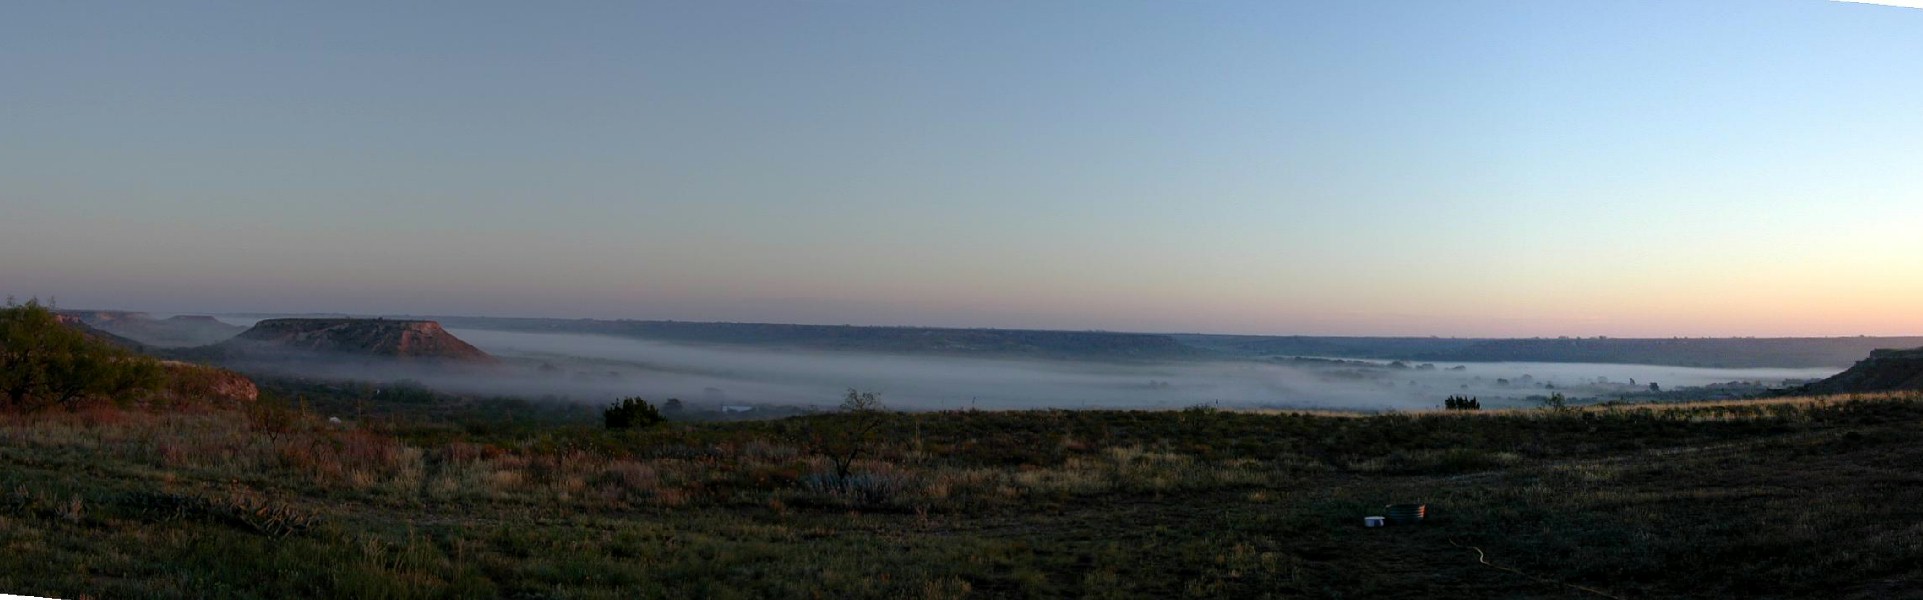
(593, 367)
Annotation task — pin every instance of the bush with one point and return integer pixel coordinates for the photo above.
(631, 413)
(43, 361)
(845, 436)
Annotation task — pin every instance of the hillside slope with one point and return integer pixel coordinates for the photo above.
(182, 383)
(1883, 371)
(179, 331)
(97, 334)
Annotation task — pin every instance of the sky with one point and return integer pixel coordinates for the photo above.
(1466, 168)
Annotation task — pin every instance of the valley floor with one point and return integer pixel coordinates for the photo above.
(1796, 498)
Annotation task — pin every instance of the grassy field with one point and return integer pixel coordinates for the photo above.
(1786, 498)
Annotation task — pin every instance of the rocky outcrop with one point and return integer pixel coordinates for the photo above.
(398, 339)
(198, 384)
(1883, 371)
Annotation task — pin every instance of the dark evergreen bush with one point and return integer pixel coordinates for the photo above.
(631, 413)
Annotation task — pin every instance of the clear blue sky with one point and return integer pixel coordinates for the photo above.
(1742, 167)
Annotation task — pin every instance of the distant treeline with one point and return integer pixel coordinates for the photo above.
(1384, 348)
(1686, 352)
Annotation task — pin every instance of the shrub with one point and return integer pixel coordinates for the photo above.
(853, 432)
(844, 436)
(631, 413)
(44, 361)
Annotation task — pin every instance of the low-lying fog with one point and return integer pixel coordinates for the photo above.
(596, 368)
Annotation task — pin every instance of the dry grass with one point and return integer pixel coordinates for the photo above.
(1645, 500)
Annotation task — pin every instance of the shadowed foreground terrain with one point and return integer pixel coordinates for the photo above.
(1795, 497)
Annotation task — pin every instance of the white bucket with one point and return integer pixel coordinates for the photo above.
(1372, 521)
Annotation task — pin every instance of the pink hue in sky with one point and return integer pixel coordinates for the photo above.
(1502, 168)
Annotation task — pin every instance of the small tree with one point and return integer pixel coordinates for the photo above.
(44, 361)
(631, 413)
(1555, 401)
(672, 405)
(854, 431)
(861, 403)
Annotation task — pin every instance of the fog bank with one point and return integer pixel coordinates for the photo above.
(594, 368)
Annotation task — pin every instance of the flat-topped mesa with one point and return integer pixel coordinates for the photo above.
(197, 319)
(401, 339)
(1883, 371)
